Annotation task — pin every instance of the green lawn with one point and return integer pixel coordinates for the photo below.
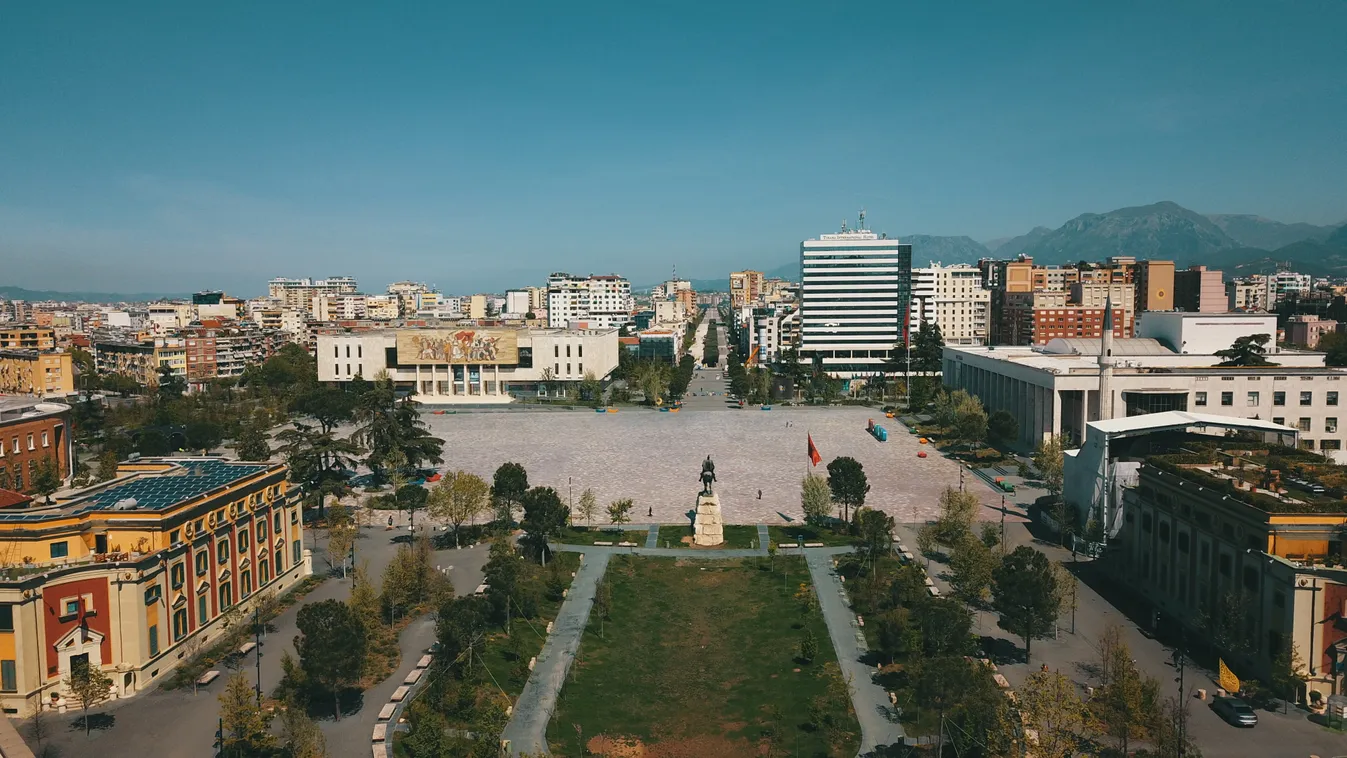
(789, 535)
(696, 656)
(738, 536)
(580, 535)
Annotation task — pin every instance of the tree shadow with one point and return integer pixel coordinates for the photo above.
(352, 700)
(1001, 651)
(97, 722)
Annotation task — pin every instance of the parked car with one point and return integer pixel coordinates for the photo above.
(1236, 712)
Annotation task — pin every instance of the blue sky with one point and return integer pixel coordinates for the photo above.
(178, 146)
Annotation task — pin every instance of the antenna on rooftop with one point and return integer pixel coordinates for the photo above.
(862, 227)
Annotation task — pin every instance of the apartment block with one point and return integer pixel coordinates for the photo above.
(36, 372)
(298, 294)
(593, 302)
(1200, 290)
(953, 298)
(746, 288)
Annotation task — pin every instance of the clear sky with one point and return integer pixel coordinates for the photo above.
(176, 146)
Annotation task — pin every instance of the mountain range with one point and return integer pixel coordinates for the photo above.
(1238, 244)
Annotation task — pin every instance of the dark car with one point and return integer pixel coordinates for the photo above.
(1236, 712)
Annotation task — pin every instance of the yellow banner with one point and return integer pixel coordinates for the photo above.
(1226, 678)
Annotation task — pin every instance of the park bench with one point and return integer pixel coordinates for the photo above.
(207, 678)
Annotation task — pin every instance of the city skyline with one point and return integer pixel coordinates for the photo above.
(203, 149)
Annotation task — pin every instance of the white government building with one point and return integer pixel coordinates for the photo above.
(1170, 365)
(854, 295)
(469, 364)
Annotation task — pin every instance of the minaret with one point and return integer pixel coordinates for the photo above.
(1106, 363)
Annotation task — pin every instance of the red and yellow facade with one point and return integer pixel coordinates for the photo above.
(133, 587)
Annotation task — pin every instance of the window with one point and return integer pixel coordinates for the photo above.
(336, 351)
(6, 617)
(177, 574)
(568, 368)
(264, 571)
(556, 351)
(1279, 420)
(1227, 398)
(276, 522)
(246, 583)
(280, 560)
(44, 440)
(60, 549)
(360, 351)
(1331, 398)
(579, 368)
(243, 541)
(223, 549)
(179, 624)
(8, 681)
(1183, 542)
(1250, 578)
(1146, 522)
(1304, 424)
(1307, 444)
(226, 595)
(31, 446)
(1330, 444)
(568, 351)
(153, 594)
(261, 532)
(295, 548)
(154, 640)
(1224, 565)
(348, 351)
(1331, 424)
(70, 607)
(1253, 400)
(556, 369)
(294, 516)
(1201, 399)
(202, 609)
(1279, 398)
(202, 562)
(1306, 398)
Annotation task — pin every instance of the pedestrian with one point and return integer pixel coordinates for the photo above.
(650, 511)
(759, 494)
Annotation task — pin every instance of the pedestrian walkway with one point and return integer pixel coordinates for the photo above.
(527, 731)
(662, 552)
(764, 537)
(652, 539)
(873, 710)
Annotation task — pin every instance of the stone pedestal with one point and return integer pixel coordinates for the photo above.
(708, 528)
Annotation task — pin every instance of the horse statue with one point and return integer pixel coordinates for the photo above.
(708, 475)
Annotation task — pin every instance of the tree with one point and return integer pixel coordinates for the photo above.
(876, 530)
(459, 497)
(846, 480)
(1002, 428)
(1024, 592)
(388, 428)
(591, 389)
(252, 443)
(971, 568)
(317, 460)
(508, 486)
(326, 404)
(331, 646)
(1052, 707)
(958, 510)
(107, 466)
(245, 725)
(946, 626)
(1246, 351)
(808, 646)
(619, 511)
(970, 421)
(544, 518)
(588, 507)
(300, 735)
(46, 479)
(1288, 672)
(171, 385)
(152, 443)
(88, 686)
(1123, 703)
(411, 498)
(1334, 346)
(204, 436)
(928, 348)
(815, 498)
(341, 535)
(1048, 460)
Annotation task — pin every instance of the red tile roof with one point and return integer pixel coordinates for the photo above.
(11, 499)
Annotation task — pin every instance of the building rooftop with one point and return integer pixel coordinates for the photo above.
(181, 480)
(27, 407)
(1091, 346)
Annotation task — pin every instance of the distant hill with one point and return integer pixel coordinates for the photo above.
(1009, 247)
(19, 293)
(1264, 233)
(1162, 230)
(947, 251)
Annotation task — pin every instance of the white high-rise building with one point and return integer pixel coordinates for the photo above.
(593, 302)
(951, 297)
(855, 290)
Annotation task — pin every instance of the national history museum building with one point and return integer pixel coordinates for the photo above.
(470, 364)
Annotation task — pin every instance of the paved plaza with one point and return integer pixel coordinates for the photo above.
(654, 458)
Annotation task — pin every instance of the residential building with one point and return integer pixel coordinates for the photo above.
(129, 575)
(32, 430)
(1199, 290)
(593, 302)
(27, 337)
(1170, 365)
(1154, 285)
(1284, 284)
(746, 288)
(855, 293)
(518, 302)
(1040, 316)
(117, 355)
(298, 294)
(1246, 295)
(407, 294)
(163, 318)
(476, 306)
(382, 307)
(952, 297)
(467, 364)
(329, 306)
(669, 312)
(1303, 330)
(36, 372)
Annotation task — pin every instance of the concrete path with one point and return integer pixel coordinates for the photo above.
(872, 703)
(527, 730)
(662, 552)
(764, 537)
(652, 539)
